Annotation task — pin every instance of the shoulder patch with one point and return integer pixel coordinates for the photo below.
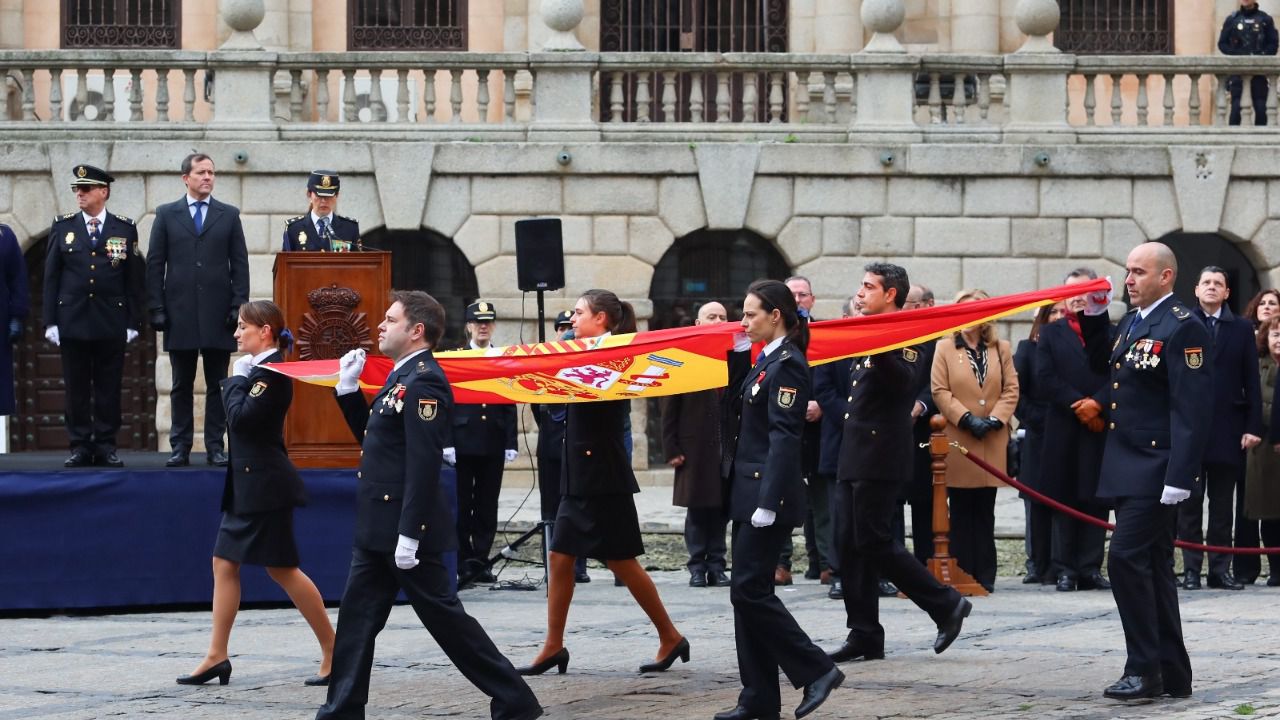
(1194, 357)
(786, 397)
(123, 219)
(910, 355)
(427, 409)
(1180, 312)
(258, 388)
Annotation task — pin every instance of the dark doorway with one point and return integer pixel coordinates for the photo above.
(703, 266)
(1197, 250)
(39, 424)
(429, 261)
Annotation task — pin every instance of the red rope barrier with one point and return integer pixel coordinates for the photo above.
(1082, 517)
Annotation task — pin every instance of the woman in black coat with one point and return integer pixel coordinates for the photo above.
(766, 502)
(597, 514)
(1030, 414)
(261, 490)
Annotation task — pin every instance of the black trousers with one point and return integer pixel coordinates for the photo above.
(767, 636)
(1078, 547)
(704, 537)
(973, 531)
(1220, 483)
(869, 551)
(366, 602)
(92, 371)
(922, 525)
(1140, 568)
(1258, 92)
(479, 482)
(182, 398)
(1039, 544)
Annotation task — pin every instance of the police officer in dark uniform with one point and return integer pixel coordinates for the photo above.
(1159, 364)
(1248, 31)
(322, 229)
(484, 439)
(403, 520)
(875, 464)
(93, 297)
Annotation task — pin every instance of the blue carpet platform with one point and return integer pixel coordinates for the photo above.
(143, 535)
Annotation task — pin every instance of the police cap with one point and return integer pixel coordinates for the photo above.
(564, 318)
(481, 311)
(88, 175)
(324, 183)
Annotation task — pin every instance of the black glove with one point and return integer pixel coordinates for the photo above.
(993, 422)
(976, 427)
(15, 330)
(159, 320)
(233, 318)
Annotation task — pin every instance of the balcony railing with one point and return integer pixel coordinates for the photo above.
(785, 97)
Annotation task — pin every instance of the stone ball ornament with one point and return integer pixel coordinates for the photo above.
(243, 15)
(883, 16)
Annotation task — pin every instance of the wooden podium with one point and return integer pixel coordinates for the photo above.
(333, 302)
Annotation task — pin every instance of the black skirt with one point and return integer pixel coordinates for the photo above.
(602, 527)
(259, 539)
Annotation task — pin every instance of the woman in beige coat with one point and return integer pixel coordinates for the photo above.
(976, 390)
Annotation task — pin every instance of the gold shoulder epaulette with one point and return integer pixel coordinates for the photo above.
(293, 220)
(123, 219)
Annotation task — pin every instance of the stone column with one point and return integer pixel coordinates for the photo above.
(841, 28)
(886, 77)
(562, 78)
(1037, 75)
(11, 24)
(975, 27)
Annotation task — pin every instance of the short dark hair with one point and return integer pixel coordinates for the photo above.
(1214, 269)
(1080, 272)
(774, 295)
(892, 277)
(419, 307)
(192, 159)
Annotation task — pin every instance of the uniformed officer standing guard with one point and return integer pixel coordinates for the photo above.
(484, 439)
(322, 229)
(1159, 365)
(404, 521)
(1248, 31)
(93, 296)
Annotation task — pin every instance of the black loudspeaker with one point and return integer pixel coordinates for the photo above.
(539, 254)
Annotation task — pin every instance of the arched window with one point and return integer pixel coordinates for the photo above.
(1115, 27)
(1197, 250)
(429, 261)
(407, 24)
(121, 24)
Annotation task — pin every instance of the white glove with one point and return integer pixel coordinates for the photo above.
(130, 335)
(451, 456)
(406, 553)
(242, 366)
(741, 343)
(1173, 495)
(349, 369)
(509, 456)
(1097, 303)
(763, 518)
(51, 335)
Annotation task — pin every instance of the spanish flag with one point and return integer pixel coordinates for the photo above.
(672, 361)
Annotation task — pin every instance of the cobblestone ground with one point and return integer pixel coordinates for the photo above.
(1026, 652)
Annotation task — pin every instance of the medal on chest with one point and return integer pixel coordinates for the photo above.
(755, 389)
(117, 250)
(1144, 354)
(394, 399)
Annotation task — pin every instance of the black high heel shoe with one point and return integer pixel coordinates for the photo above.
(681, 650)
(222, 671)
(560, 661)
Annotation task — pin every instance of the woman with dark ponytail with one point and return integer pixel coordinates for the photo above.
(261, 490)
(766, 502)
(597, 514)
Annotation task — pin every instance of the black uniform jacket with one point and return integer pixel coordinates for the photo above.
(769, 423)
(197, 279)
(403, 435)
(93, 294)
(260, 476)
(1237, 388)
(300, 234)
(878, 436)
(1160, 380)
(1071, 452)
(595, 458)
(1250, 32)
(829, 383)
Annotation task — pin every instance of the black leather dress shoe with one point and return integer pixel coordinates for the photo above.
(1135, 687)
(816, 692)
(948, 630)
(855, 650)
(1094, 581)
(717, 578)
(79, 458)
(1223, 581)
(110, 459)
(1031, 578)
(887, 589)
(741, 713)
(179, 458)
(1181, 692)
(1191, 580)
(813, 573)
(1066, 583)
(580, 578)
(217, 458)
(837, 589)
(697, 578)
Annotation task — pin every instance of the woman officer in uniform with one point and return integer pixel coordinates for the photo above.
(261, 490)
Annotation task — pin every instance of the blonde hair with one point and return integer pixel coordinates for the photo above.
(987, 331)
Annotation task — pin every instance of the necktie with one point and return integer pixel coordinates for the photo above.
(199, 216)
(759, 357)
(94, 235)
(1213, 326)
(323, 227)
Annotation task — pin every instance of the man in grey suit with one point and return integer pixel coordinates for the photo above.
(197, 278)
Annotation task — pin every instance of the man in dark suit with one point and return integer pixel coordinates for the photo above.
(829, 380)
(322, 229)
(875, 461)
(920, 487)
(1157, 432)
(1236, 427)
(484, 439)
(691, 441)
(403, 520)
(93, 287)
(197, 278)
